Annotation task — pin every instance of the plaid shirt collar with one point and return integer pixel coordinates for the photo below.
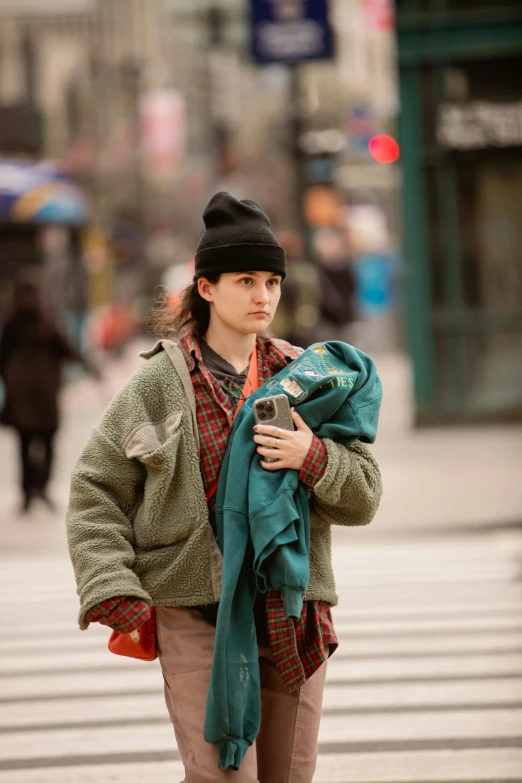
(272, 355)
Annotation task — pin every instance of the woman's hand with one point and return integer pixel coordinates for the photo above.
(289, 448)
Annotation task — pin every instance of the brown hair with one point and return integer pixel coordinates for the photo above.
(192, 313)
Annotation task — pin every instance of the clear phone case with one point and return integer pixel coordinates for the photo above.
(274, 411)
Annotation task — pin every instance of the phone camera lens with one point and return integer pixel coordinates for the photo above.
(262, 415)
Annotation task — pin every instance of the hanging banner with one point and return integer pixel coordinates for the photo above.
(291, 31)
(378, 14)
(163, 130)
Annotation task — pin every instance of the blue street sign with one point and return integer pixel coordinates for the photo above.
(291, 31)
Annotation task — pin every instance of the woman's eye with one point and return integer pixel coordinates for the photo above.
(273, 283)
(245, 280)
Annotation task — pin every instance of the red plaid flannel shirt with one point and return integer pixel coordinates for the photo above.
(122, 613)
(298, 647)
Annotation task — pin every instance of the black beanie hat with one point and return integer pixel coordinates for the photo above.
(237, 239)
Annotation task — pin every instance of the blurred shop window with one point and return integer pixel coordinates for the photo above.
(473, 120)
(491, 226)
(491, 230)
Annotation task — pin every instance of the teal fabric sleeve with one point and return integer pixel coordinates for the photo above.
(263, 527)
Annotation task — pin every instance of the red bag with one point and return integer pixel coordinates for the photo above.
(145, 649)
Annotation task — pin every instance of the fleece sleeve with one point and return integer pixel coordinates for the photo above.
(106, 488)
(350, 489)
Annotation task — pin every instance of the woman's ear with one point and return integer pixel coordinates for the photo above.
(204, 289)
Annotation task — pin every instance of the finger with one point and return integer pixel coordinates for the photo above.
(271, 465)
(266, 440)
(265, 452)
(134, 635)
(274, 432)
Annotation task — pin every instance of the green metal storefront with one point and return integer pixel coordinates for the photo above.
(460, 67)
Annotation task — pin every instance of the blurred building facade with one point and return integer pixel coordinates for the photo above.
(72, 79)
(461, 140)
(152, 105)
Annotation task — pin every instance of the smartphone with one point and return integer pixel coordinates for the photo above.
(274, 411)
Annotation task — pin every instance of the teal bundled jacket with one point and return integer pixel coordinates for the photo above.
(263, 526)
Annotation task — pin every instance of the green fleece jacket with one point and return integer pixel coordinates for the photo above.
(137, 522)
(339, 394)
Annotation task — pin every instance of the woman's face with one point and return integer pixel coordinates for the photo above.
(245, 302)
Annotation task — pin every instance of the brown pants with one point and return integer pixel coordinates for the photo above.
(286, 747)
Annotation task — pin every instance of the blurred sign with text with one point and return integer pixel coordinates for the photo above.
(291, 31)
(479, 124)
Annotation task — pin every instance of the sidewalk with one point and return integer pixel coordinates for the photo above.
(434, 480)
(451, 477)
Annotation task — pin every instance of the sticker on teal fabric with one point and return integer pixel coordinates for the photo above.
(325, 361)
(307, 368)
(293, 388)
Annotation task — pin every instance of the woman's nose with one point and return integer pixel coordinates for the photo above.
(261, 294)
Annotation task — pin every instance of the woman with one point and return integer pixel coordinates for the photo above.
(141, 520)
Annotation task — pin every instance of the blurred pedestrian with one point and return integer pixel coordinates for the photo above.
(142, 523)
(337, 286)
(298, 312)
(32, 354)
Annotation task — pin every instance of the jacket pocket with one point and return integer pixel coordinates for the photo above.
(146, 442)
(161, 519)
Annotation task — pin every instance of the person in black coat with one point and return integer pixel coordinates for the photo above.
(32, 355)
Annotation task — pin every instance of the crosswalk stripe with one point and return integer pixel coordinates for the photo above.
(418, 767)
(343, 699)
(352, 647)
(493, 622)
(458, 730)
(102, 663)
(429, 670)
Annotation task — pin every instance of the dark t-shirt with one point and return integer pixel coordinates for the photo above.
(225, 374)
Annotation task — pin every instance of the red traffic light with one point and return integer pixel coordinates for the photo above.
(383, 148)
